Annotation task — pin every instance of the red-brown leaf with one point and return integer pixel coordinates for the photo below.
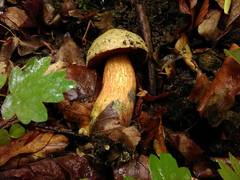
(222, 91)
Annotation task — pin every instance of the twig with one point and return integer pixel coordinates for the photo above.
(146, 31)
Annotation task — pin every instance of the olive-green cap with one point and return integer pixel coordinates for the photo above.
(114, 41)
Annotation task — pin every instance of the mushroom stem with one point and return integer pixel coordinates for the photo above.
(117, 95)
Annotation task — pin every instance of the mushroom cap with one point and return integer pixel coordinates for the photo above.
(114, 41)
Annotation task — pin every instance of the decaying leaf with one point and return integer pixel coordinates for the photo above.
(185, 8)
(209, 26)
(29, 45)
(234, 10)
(69, 52)
(136, 168)
(31, 142)
(151, 128)
(70, 166)
(202, 13)
(202, 166)
(78, 102)
(33, 9)
(220, 95)
(6, 51)
(16, 18)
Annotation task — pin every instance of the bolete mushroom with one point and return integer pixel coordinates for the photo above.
(112, 112)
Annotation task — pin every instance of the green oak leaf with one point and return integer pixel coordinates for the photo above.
(166, 167)
(227, 172)
(4, 137)
(16, 131)
(30, 87)
(235, 54)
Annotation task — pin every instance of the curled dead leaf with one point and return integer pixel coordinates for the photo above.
(31, 142)
(184, 49)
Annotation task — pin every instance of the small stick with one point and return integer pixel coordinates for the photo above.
(146, 31)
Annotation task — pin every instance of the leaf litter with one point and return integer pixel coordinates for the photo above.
(194, 112)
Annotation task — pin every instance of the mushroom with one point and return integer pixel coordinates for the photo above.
(112, 111)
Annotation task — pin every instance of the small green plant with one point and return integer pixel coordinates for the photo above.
(165, 167)
(228, 172)
(29, 88)
(233, 53)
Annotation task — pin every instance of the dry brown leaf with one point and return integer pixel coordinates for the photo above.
(234, 12)
(186, 7)
(209, 27)
(69, 52)
(202, 13)
(221, 93)
(202, 166)
(159, 141)
(136, 168)
(29, 45)
(78, 102)
(70, 166)
(201, 85)
(31, 142)
(8, 47)
(56, 144)
(16, 18)
(151, 129)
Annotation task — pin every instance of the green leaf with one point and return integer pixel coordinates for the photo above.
(4, 137)
(166, 168)
(3, 78)
(16, 131)
(235, 164)
(228, 173)
(30, 87)
(233, 53)
(128, 178)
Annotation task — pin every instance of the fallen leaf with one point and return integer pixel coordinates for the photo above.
(31, 142)
(220, 94)
(69, 52)
(7, 49)
(159, 141)
(29, 45)
(234, 13)
(202, 166)
(201, 85)
(136, 168)
(33, 9)
(78, 102)
(16, 18)
(209, 26)
(202, 13)
(185, 7)
(70, 166)
(50, 15)
(184, 49)
(150, 126)
(56, 144)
